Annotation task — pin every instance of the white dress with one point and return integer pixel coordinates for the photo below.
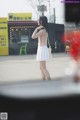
(42, 53)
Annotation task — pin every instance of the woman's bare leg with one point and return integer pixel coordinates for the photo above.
(42, 73)
(45, 71)
(43, 76)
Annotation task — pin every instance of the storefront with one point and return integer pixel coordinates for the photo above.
(15, 35)
(20, 41)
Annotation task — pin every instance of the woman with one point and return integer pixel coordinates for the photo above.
(41, 33)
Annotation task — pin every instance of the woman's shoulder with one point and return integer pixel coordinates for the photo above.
(42, 30)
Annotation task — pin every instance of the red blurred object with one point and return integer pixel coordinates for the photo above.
(73, 38)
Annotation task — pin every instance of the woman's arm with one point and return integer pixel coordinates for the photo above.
(36, 34)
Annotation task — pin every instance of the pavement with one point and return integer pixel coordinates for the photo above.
(26, 68)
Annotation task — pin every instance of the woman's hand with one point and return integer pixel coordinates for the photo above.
(40, 27)
(37, 32)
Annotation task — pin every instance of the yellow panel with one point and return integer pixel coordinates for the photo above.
(19, 16)
(3, 50)
(4, 37)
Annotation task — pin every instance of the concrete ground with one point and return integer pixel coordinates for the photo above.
(23, 68)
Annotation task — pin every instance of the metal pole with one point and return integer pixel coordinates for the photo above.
(55, 47)
(49, 9)
(54, 15)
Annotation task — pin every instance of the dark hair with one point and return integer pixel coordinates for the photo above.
(44, 22)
